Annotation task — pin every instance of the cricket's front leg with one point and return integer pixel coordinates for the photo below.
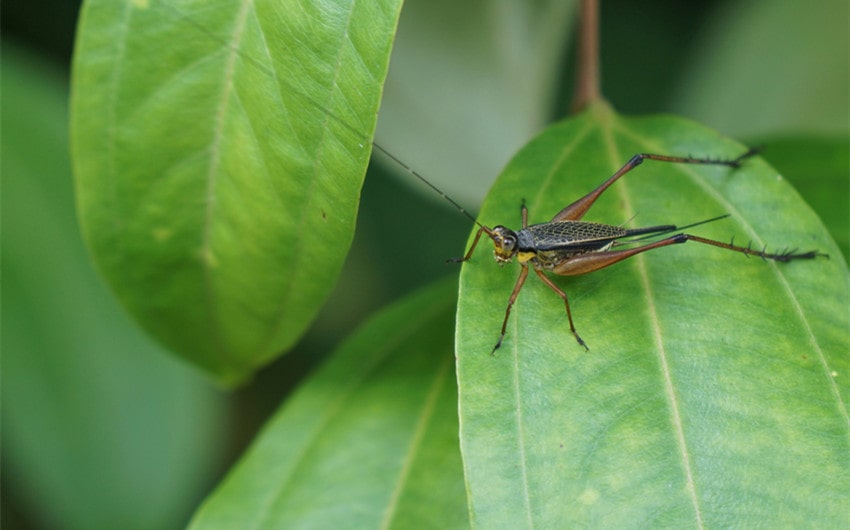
(523, 274)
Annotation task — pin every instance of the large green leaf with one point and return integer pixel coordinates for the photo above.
(715, 390)
(370, 441)
(219, 149)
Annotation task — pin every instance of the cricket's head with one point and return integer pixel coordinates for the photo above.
(504, 239)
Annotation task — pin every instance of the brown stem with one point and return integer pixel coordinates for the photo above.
(587, 75)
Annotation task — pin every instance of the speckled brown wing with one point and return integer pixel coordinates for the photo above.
(574, 234)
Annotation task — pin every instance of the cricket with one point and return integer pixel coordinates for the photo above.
(568, 246)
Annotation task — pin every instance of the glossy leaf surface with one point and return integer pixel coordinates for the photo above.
(219, 149)
(715, 390)
(370, 441)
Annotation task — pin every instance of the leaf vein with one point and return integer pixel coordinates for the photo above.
(425, 417)
(654, 321)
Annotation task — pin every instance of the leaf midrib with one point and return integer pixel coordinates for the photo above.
(616, 158)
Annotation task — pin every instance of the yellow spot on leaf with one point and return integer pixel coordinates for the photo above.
(589, 497)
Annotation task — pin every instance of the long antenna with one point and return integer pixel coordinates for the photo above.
(358, 133)
(413, 172)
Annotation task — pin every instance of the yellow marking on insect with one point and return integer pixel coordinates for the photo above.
(524, 257)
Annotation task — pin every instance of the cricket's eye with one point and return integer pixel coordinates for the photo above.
(505, 241)
(499, 234)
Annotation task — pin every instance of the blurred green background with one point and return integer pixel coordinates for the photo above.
(102, 428)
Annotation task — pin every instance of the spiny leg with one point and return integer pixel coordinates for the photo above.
(782, 257)
(523, 274)
(576, 210)
(563, 295)
(593, 261)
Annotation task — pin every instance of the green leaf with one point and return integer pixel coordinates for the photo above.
(101, 429)
(715, 390)
(219, 149)
(370, 441)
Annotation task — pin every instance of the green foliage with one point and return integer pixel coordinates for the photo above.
(369, 441)
(715, 390)
(217, 197)
(711, 380)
